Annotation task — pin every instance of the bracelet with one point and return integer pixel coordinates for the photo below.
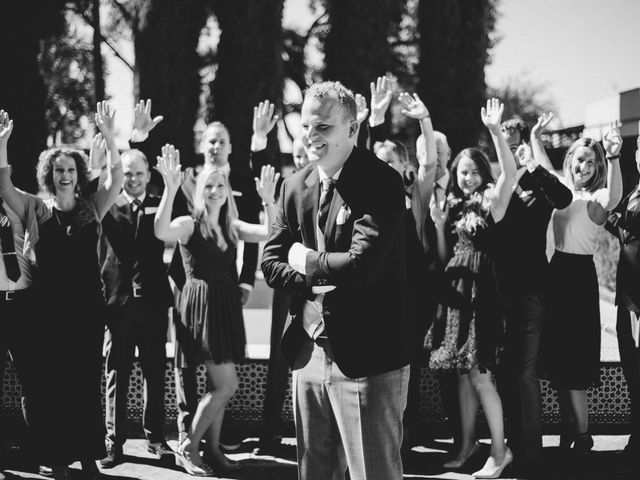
(425, 117)
(613, 157)
(270, 204)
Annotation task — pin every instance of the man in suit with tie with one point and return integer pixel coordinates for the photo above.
(624, 223)
(337, 244)
(138, 297)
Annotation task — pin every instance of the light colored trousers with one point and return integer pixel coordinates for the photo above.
(342, 422)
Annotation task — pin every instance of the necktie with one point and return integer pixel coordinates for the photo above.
(8, 247)
(326, 195)
(135, 208)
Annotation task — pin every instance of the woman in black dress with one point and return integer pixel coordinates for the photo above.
(66, 411)
(211, 330)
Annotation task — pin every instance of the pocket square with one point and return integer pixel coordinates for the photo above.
(343, 215)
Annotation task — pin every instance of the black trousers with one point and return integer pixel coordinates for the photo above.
(630, 358)
(278, 374)
(16, 337)
(142, 324)
(518, 381)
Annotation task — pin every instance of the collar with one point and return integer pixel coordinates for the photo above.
(323, 175)
(130, 199)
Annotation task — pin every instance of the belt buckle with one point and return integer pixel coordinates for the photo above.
(9, 295)
(137, 292)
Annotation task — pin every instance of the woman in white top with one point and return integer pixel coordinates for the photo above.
(572, 334)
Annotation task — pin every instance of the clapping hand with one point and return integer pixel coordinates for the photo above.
(492, 115)
(413, 107)
(169, 167)
(105, 120)
(541, 125)
(98, 152)
(612, 140)
(361, 108)
(380, 99)
(142, 121)
(263, 119)
(266, 184)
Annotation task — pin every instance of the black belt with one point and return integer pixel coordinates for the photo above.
(7, 296)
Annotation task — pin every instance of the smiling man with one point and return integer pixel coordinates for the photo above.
(338, 245)
(138, 296)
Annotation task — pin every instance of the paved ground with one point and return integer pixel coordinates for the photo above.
(604, 463)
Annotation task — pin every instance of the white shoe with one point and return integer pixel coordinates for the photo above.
(493, 470)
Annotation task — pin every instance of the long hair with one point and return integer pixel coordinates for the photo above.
(228, 211)
(44, 170)
(599, 179)
(484, 168)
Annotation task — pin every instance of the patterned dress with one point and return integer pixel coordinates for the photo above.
(469, 325)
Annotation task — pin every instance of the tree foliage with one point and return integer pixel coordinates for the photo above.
(523, 99)
(455, 40)
(249, 70)
(22, 92)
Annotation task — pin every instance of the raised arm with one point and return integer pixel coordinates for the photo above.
(380, 100)
(263, 122)
(143, 123)
(108, 192)
(610, 197)
(539, 153)
(180, 228)
(491, 117)
(14, 198)
(439, 217)
(266, 188)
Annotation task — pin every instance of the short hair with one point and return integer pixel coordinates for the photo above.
(516, 125)
(216, 124)
(44, 170)
(342, 94)
(133, 154)
(599, 179)
(484, 168)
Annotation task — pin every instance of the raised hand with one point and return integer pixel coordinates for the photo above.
(104, 120)
(263, 119)
(612, 140)
(266, 184)
(541, 125)
(380, 98)
(413, 107)
(169, 167)
(361, 108)
(524, 156)
(98, 152)
(438, 215)
(142, 121)
(492, 115)
(6, 127)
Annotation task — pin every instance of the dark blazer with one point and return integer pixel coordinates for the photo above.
(366, 316)
(625, 225)
(122, 243)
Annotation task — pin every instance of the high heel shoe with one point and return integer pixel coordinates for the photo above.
(493, 470)
(201, 469)
(228, 467)
(90, 470)
(458, 463)
(583, 443)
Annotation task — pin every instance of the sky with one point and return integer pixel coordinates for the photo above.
(578, 49)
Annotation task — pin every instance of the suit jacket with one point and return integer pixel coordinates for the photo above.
(122, 243)
(625, 225)
(365, 316)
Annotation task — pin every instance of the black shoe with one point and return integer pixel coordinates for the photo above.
(583, 443)
(45, 471)
(268, 446)
(160, 448)
(230, 442)
(114, 457)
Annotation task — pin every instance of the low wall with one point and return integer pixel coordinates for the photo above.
(609, 405)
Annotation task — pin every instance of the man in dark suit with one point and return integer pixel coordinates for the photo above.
(338, 244)
(138, 297)
(624, 223)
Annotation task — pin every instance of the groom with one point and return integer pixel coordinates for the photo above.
(337, 243)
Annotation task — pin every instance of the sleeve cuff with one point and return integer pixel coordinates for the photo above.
(297, 257)
(258, 143)
(323, 289)
(246, 286)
